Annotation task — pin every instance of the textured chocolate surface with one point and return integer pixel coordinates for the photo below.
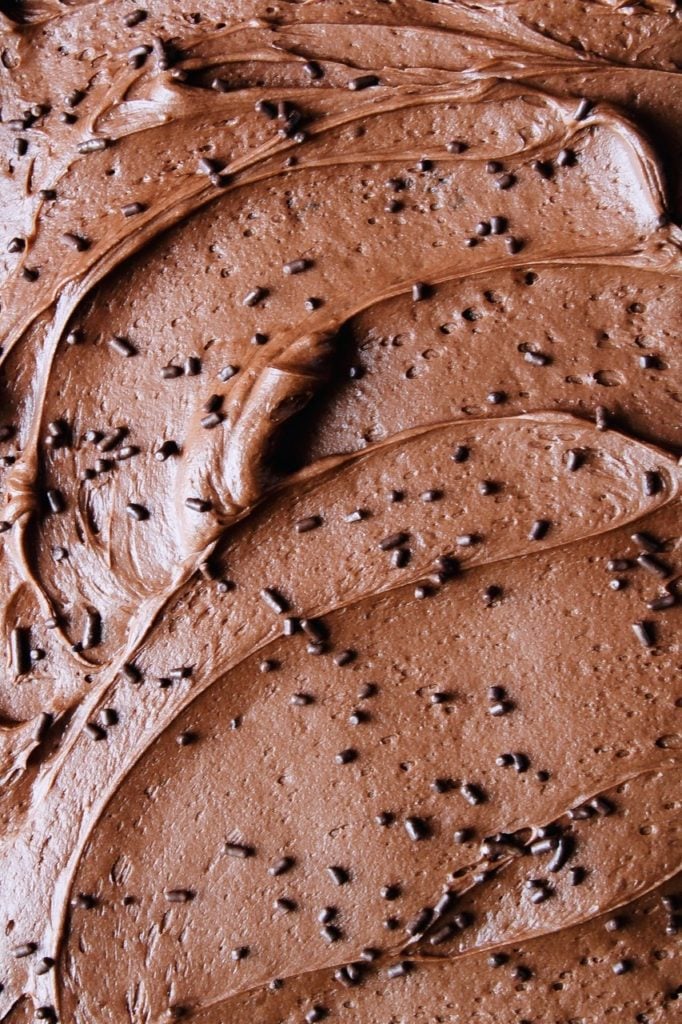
(340, 502)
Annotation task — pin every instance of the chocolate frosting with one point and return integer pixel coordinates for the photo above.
(340, 492)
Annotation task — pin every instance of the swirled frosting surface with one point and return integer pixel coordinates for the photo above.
(340, 394)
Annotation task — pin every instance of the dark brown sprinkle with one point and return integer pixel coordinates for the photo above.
(76, 242)
(491, 594)
(498, 959)
(644, 631)
(239, 850)
(521, 764)
(112, 440)
(92, 629)
(110, 716)
(483, 228)
(584, 108)
(562, 852)
(363, 82)
(654, 565)
(165, 450)
(313, 69)
(349, 975)
(47, 194)
(43, 726)
(134, 18)
(506, 181)
(400, 558)
(346, 756)
(94, 145)
(601, 417)
(181, 672)
(417, 828)
(496, 397)
(493, 167)
(301, 700)
(128, 451)
(541, 895)
(239, 953)
(16, 245)
(274, 600)
(649, 362)
(646, 541)
(253, 297)
(539, 529)
(574, 459)
(500, 708)
(211, 420)
(266, 108)
(307, 524)
(55, 500)
(400, 970)
(132, 209)
(662, 603)
(472, 794)
(385, 818)
(25, 949)
(198, 504)
(651, 483)
(30, 274)
(618, 564)
(602, 806)
(420, 291)
(431, 495)
(220, 85)
(228, 372)
(132, 672)
(394, 540)
(513, 245)
(209, 166)
(393, 206)
(44, 965)
(460, 454)
(622, 967)
(463, 835)
(566, 158)
(46, 1012)
(421, 922)
(84, 901)
(498, 225)
(186, 738)
(137, 512)
(315, 629)
(522, 973)
(315, 1014)
(390, 892)
(5, 526)
(171, 371)
(123, 346)
(192, 366)
(176, 1011)
(286, 905)
(536, 358)
(179, 895)
(281, 866)
(296, 266)
(291, 626)
(367, 690)
(345, 657)
(338, 875)
(543, 168)
(576, 875)
(470, 243)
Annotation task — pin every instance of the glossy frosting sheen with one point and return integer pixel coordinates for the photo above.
(340, 393)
